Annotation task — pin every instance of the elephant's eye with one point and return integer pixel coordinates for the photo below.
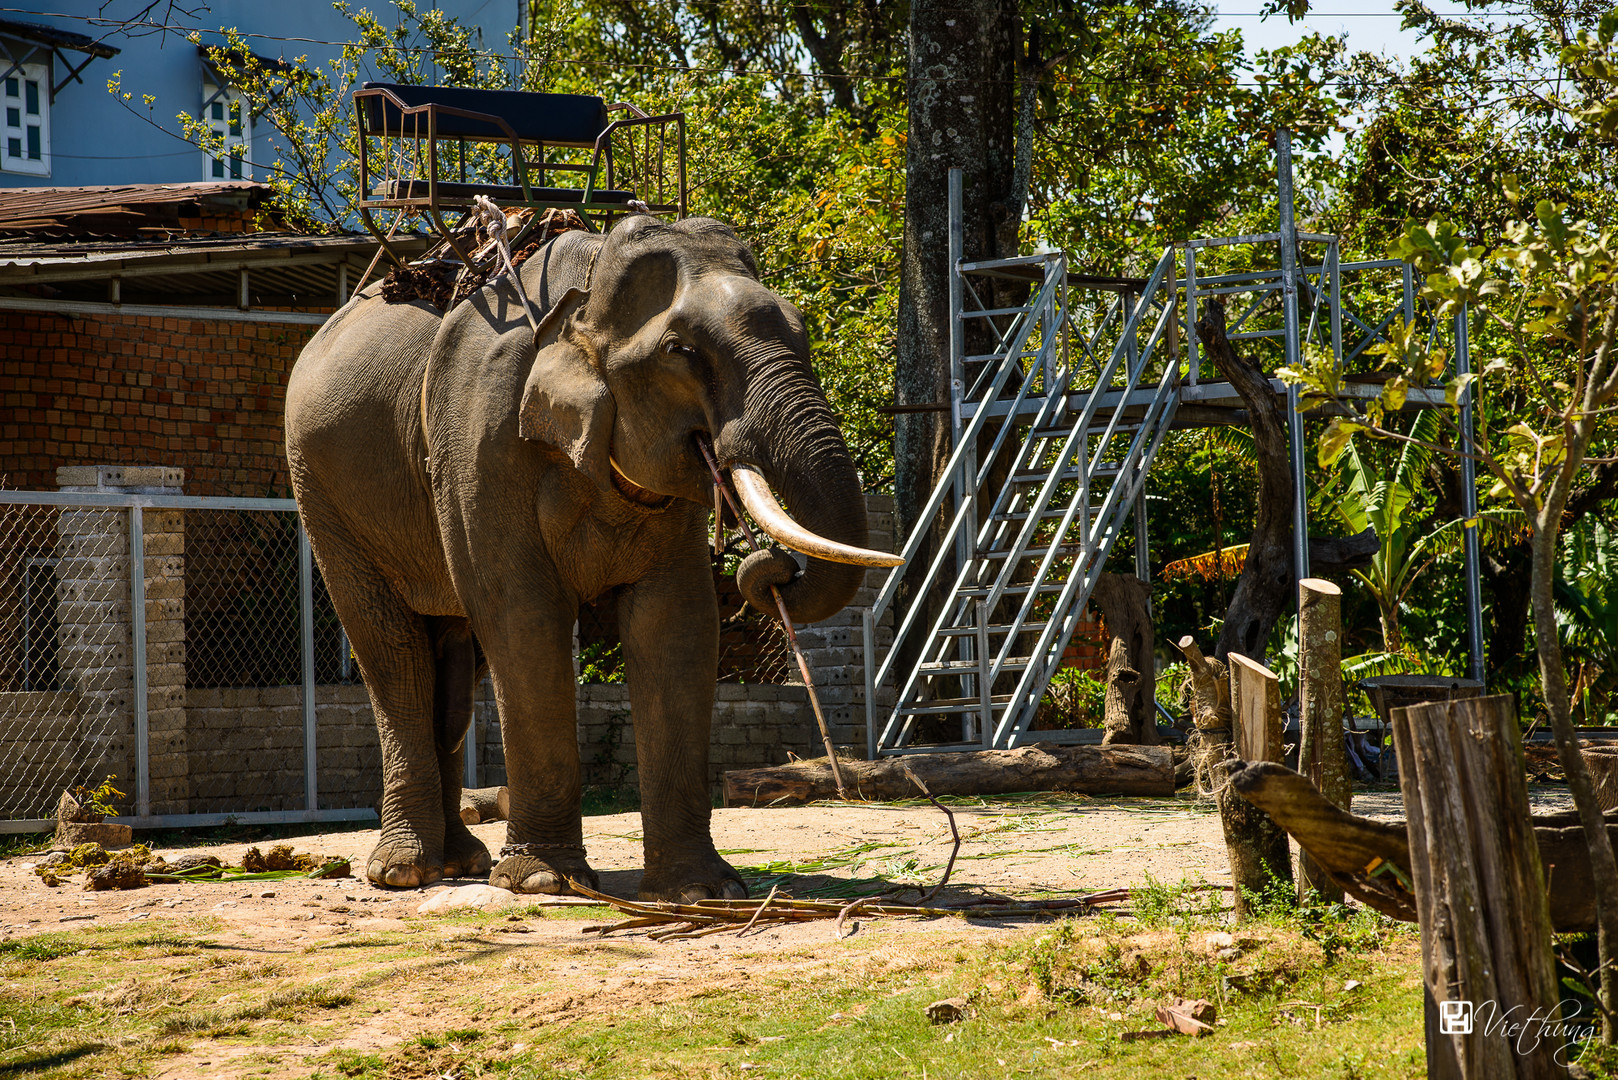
(680, 348)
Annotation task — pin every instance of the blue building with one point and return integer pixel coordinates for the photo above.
(63, 128)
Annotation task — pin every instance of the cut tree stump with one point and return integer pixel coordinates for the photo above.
(1320, 710)
(1256, 845)
(1255, 699)
(1130, 711)
(1087, 770)
(1480, 894)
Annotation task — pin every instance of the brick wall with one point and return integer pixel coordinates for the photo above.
(205, 396)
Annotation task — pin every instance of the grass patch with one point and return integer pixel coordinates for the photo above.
(41, 947)
(15, 844)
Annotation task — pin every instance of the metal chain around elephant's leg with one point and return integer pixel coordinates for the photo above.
(786, 622)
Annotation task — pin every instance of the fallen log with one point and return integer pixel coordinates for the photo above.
(1371, 859)
(485, 804)
(1088, 770)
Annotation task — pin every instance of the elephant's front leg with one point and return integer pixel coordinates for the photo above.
(670, 629)
(531, 662)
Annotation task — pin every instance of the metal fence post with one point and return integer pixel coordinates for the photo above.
(137, 636)
(1294, 352)
(1469, 502)
(306, 606)
(868, 646)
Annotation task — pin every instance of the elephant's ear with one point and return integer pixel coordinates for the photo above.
(565, 402)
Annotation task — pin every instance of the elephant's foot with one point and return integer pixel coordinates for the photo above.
(401, 862)
(685, 881)
(464, 854)
(542, 869)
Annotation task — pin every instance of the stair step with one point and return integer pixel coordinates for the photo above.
(1015, 590)
(992, 628)
(1039, 476)
(952, 705)
(1035, 552)
(995, 311)
(968, 667)
(1022, 515)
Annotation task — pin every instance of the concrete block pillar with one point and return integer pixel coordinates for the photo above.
(96, 635)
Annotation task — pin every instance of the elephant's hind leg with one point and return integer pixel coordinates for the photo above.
(454, 687)
(395, 654)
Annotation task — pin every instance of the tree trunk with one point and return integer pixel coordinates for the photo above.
(962, 81)
(1089, 770)
(1264, 589)
(1553, 680)
(1480, 892)
(1131, 702)
(1256, 845)
(1393, 640)
(1320, 711)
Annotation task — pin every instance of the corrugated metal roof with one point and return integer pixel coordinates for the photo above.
(40, 208)
(50, 35)
(287, 270)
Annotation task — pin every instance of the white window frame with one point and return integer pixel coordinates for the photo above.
(226, 98)
(22, 76)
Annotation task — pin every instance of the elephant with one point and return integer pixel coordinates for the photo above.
(468, 479)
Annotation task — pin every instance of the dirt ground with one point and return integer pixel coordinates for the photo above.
(258, 953)
(1052, 848)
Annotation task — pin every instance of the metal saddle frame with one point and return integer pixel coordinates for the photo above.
(417, 142)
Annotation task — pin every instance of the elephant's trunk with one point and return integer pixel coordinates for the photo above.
(801, 453)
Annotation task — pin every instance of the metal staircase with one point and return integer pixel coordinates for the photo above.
(1055, 428)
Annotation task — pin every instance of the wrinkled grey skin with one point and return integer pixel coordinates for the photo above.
(486, 556)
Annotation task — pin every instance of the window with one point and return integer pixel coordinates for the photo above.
(227, 118)
(25, 144)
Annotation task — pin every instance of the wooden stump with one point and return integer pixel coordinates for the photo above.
(1320, 711)
(1256, 845)
(1130, 715)
(1480, 894)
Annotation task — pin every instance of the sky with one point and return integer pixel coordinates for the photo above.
(1370, 25)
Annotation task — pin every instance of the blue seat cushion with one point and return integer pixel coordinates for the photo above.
(556, 119)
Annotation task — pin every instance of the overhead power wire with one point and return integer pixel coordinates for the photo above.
(1185, 83)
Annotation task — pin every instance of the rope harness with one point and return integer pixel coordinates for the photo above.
(487, 215)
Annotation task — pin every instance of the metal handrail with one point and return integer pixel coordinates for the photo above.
(953, 469)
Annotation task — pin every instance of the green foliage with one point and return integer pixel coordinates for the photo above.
(601, 662)
(1076, 698)
(1587, 616)
(1274, 903)
(100, 799)
(1157, 904)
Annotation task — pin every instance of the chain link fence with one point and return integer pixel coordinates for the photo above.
(232, 694)
(66, 682)
(229, 695)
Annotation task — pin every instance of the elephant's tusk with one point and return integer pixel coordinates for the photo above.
(756, 496)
